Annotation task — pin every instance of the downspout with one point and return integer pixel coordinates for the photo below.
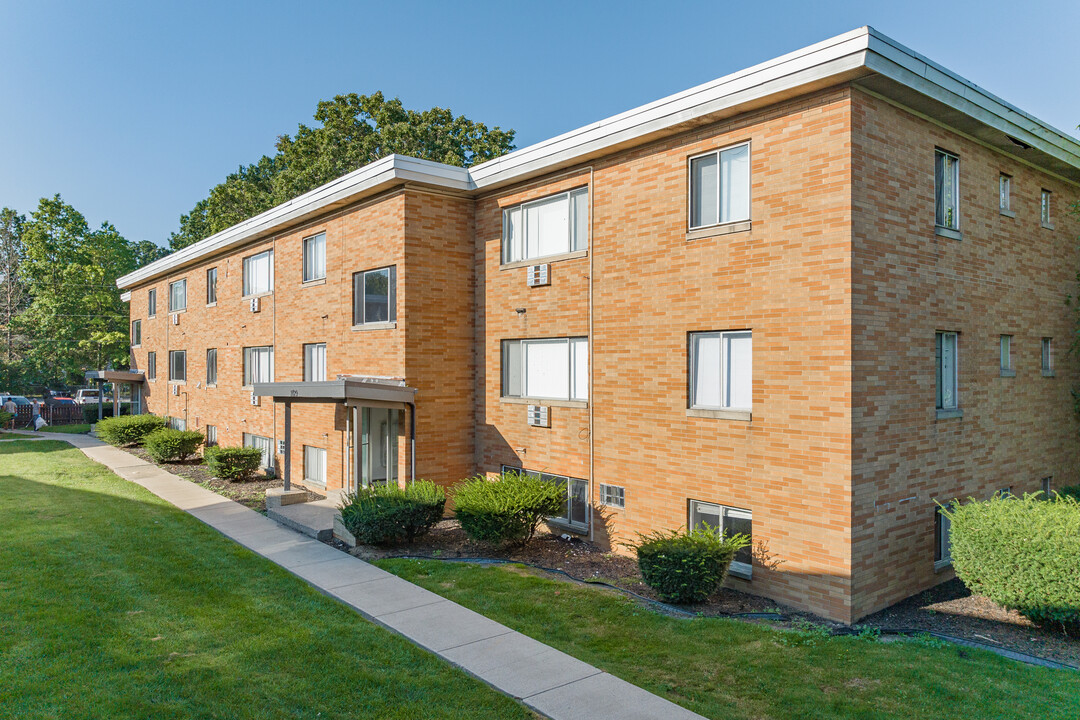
(412, 442)
(592, 351)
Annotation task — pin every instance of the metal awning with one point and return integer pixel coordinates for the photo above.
(120, 376)
(340, 390)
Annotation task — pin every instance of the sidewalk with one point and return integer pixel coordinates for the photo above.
(545, 679)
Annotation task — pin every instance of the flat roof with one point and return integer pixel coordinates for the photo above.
(340, 390)
(864, 56)
(124, 376)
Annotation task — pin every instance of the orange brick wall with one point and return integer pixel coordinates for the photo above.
(1006, 276)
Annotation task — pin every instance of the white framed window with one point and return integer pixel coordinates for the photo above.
(554, 225)
(151, 302)
(375, 296)
(612, 496)
(728, 521)
(721, 370)
(947, 371)
(151, 365)
(1006, 353)
(211, 286)
(258, 365)
(947, 190)
(720, 187)
(1044, 209)
(178, 365)
(942, 539)
(211, 435)
(265, 445)
(315, 257)
(175, 423)
(546, 369)
(211, 366)
(1004, 192)
(314, 362)
(1048, 356)
(576, 511)
(178, 296)
(314, 465)
(136, 333)
(259, 273)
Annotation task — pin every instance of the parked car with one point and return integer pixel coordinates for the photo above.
(57, 400)
(87, 396)
(17, 399)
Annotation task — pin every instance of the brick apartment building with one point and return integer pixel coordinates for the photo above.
(805, 301)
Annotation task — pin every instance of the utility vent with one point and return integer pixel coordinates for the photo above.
(538, 416)
(280, 447)
(254, 399)
(176, 319)
(255, 306)
(175, 389)
(538, 275)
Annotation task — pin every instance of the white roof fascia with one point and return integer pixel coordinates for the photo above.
(390, 170)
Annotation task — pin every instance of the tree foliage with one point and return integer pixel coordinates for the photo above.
(13, 297)
(353, 130)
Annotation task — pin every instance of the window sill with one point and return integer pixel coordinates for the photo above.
(948, 233)
(546, 259)
(547, 402)
(1008, 213)
(741, 415)
(743, 573)
(136, 347)
(151, 317)
(375, 326)
(1044, 226)
(257, 295)
(178, 382)
(1008, 373)
(178, 312)
(563, 524)
(1048, 373)
(313, 283)
(942, 565)
(213, 304)
(949, 414)
(714, 230)
(211, 385)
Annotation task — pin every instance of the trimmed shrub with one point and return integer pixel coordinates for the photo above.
(90, 412)
(1072, 491)
(232, 463)
(128, 429)
(387, 513)
(5, 419)
(687, 566)
(167, 445)
(508, 508)
(1022, 554)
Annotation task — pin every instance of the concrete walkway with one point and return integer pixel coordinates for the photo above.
(548, 681)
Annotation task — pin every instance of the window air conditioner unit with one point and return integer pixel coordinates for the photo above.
(538, 416)
(538, 275)
(255, 306)
(176, 319)
(254, 399)
(175, 389)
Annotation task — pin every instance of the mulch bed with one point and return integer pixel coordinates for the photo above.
(948, 608)
(251, 493)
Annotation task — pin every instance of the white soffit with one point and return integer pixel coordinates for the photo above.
(864, 56)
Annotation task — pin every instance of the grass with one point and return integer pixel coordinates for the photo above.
(79, 428)
(730, 669)
(118, 605)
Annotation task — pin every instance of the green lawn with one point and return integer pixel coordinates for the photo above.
(117, 605)
(80, 429)
(730, 669)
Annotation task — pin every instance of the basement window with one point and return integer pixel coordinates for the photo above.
(728, 521)
(575, 513)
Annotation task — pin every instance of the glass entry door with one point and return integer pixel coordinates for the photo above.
(379, 445)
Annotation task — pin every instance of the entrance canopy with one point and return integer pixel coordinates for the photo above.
(362, 389)
(132, 378)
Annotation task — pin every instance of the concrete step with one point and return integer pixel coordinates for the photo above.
(314, 519)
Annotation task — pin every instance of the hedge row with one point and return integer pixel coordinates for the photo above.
(128, 429)
(387, 513)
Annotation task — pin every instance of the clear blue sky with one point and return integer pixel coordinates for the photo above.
(132, 111)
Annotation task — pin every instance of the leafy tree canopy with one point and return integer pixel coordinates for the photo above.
(353, 130)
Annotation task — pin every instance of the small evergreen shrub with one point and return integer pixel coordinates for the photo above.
(382, 514)
(508, 508)
(5, 419)
(90, 412)
(1022, 554)
(232, 463)
(1072, 491)
(167, 445)
(128, 429)
(687, 566)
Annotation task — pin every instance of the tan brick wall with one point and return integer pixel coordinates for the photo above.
(1006, 276)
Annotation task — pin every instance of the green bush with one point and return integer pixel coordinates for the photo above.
(233, 463)
(507, 509)
(128, 429)
(1072, 491)
(5, 418)
(167, 445)
(90, 412)
(1022, 554)
(387, 513)
(687, 566)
